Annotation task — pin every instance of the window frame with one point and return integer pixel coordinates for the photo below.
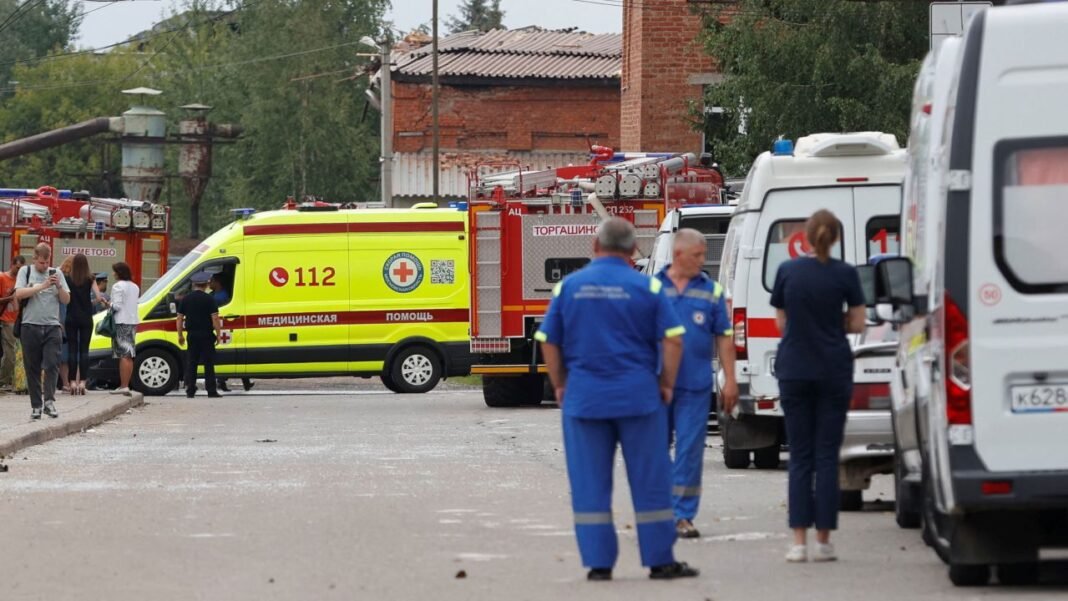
(767, 247)
(1003, 150)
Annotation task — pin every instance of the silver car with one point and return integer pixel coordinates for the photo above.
(868, 446)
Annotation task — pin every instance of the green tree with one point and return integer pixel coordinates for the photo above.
(481, 15)
(794, 67)
(29, 29)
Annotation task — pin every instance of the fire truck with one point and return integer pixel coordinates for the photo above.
(531, 228)
(105, 230)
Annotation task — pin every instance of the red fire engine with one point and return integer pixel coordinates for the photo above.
(529, 229)
(105, 230)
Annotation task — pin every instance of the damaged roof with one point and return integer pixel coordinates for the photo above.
(529, 53)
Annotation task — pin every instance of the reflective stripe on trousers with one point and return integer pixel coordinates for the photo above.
(689, 417)
(590, 447)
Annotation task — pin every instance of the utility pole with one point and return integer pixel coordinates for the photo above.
(387, 121)
(434, 103)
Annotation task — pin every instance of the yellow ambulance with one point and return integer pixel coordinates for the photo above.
(318, 291)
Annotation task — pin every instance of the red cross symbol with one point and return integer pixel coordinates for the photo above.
(403, 272)
(224, 337)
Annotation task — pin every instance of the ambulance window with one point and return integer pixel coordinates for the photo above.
(1030, 209)
(221, 286)
(172, 274)
(786, 241)
(884, 235)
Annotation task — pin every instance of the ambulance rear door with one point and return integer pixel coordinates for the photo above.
(781, 233)
(877, 221)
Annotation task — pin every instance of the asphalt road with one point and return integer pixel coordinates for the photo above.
(320, 494)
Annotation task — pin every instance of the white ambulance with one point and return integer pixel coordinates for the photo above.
(983, 303)
(856, 176)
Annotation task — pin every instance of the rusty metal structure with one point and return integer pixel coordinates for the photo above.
(143, 134)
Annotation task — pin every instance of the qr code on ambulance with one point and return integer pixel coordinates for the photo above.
(442, 271)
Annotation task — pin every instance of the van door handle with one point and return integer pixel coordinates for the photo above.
(231, 316)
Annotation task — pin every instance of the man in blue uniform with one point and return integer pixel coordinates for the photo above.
(701, 305)
(600, 340)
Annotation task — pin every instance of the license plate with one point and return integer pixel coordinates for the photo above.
(1045, 398)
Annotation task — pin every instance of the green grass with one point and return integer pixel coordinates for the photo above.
(466, 380)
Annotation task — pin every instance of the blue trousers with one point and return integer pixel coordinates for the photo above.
(689, 421)
(590, 447)
(815, 414)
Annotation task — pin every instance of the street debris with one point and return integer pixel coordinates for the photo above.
(461, 574)
(267, 440)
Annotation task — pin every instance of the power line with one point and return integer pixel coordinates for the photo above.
(191, 69)
(145, 38)
(19, 12)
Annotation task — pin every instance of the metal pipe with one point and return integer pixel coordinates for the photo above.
(387, 122)
(58, 137)
(434, 102)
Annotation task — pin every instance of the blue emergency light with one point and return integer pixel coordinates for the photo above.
(460, 205)
(98, 228)
(24, 192)
(782, 147)
(243, 213)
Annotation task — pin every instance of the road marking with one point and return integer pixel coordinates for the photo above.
(745, 536)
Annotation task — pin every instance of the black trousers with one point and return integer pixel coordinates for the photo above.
(78, 338)
(201, 352)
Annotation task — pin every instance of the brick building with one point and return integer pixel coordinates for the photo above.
(665, 69)
(528, 95)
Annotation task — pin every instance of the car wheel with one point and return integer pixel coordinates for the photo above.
(415, 370)
(851, 500)
(969, 575)
(155, 372)
(906, 512)
(388, 382)
(1018, 574)
(767, 458)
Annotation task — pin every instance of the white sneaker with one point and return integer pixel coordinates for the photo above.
(797, 554)
(123, 390)
(824, 553)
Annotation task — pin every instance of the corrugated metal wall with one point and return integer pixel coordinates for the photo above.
(413, 171)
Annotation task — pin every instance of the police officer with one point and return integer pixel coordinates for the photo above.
(198, 313)
(600, 341)
(701, 305)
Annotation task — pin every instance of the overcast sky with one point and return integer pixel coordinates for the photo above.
(114, 22)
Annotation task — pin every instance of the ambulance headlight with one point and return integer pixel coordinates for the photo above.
(121, 218)
(141, 221)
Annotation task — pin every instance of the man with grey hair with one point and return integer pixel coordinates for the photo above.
(600, 339)
(41, 335)
(701, 304)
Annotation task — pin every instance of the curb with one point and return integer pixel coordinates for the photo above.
(40, 434)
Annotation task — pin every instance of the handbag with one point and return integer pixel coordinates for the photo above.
(106, 326)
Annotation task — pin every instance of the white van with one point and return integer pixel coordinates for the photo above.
(924, 181)
(711, 220)
(857, 176)
(983, 302)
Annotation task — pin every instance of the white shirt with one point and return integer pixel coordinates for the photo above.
(124, 297)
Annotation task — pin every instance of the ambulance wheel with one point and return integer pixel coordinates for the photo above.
(155, 372)
(388, 382)
(415, 369)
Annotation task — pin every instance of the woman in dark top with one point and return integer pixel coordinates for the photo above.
(79, 322)
(814, 366)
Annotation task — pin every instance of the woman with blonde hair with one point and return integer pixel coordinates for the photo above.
(814, 367)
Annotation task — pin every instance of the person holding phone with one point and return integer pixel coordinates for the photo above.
(45, 290)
